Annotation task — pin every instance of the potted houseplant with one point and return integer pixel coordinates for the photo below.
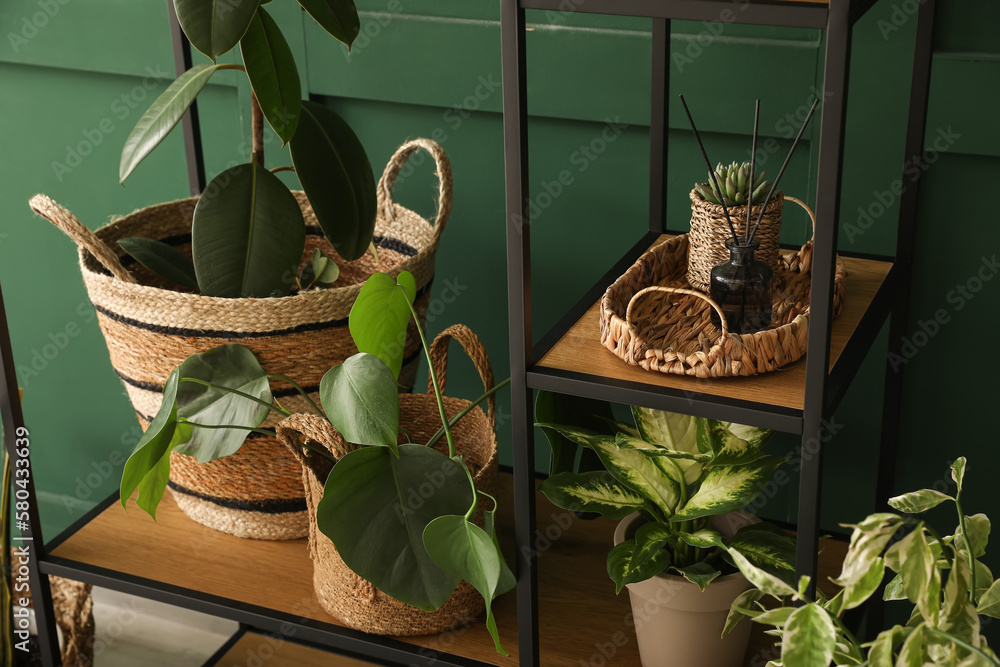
(360, 494)
(249, 261)
(676, 483)
(941, 576)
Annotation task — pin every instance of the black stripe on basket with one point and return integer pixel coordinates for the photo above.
(280, 393)
(276, 506)
(214, 333)
(386, 242)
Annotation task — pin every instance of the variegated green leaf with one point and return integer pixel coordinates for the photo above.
(727, 488)
(956, 590)
(594, 491)
(859, 589)
(810, 637)
(755, 437)
(916, 502)
(650, 538)
(958, 472)
(688, 465)
(883, 648)
(766, 582)
(894, 589)
(770, 550)
(742, 608)
(868, 540)
(911, 654)
(653, 477)
(989, 603)
(729, 449)
(666, 429)
(624, 568)
(921, 578)
(978, 527)
(706, 538)
(701, 574)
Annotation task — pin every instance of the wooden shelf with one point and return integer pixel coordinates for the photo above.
(578, 607)
(579, 351)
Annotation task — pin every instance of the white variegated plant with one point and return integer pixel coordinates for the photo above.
(679, 472)
(949, 587)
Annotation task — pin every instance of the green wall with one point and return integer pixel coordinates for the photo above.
(71, 74)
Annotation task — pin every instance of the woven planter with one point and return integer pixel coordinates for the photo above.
(709, 232)
(150, 329)
(341, 592)
(650, 317)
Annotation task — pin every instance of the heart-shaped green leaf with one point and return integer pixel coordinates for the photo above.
(375, 508)
(468, 552)
(248, 235)
(232, 366)
(380, 315)
(215, 26)
(337, 177)
(337, 17)
(161, 117)
(273, 75)
(164, 260)
(143, 469)
(324, 268)
(595, 491)
(361, 400)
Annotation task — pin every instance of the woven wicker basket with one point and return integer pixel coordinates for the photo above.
(674, 333)
(710, 231)
(150, 330)
(340, 591)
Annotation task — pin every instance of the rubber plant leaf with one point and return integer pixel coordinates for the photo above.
(380, 315)
(231, 366)
(248, 235)
(162, 259)
(273, 75)
(361, 400)
(161, 117)
(337, 177)
(337, 17)
(215, 26)
(375, 513)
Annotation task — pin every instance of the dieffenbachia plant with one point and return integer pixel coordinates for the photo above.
(942, 577)
(248, 233)
(417, 553)
(678, 472)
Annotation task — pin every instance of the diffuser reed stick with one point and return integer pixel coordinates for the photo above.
(753, 159)
(711, 172)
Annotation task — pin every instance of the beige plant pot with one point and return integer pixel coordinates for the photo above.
(678, 625)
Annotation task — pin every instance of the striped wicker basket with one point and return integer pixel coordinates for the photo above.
(340, 591)
(150, 330)
(674, 333)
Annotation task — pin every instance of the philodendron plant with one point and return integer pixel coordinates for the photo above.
(213, 400)
(942, 576)
(679, 472)
(248, 233)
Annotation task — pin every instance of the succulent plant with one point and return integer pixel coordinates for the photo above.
(734, 180)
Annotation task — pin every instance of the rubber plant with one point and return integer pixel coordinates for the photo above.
(941, 576)
(679, 472)
(248, 233)
(214, 399)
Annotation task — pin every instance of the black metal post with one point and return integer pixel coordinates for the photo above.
(17, 439)
(515, 124)
(906, 231)
(658, 127)
(189, 124)
(835, 75)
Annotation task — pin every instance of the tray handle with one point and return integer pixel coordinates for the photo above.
(675, 290)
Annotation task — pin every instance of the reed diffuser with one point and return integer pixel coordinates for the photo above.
(741, 286)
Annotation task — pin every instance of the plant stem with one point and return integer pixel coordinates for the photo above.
(326, 455)
(238, 393)
(256, 130)
(454, 420)
(437, 390)
(969, 647)
(262, 431)
(279, 169)
(282, 378)
(968, 548)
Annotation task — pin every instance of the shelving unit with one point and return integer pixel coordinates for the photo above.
(570, 359)
(564, 599)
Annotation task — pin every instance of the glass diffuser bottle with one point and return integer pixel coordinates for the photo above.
(742, 288)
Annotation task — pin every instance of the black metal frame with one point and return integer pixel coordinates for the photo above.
(822, 392)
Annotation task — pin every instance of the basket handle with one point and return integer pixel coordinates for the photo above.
(84, 238)
(803, 261)
(675, 290)
(396, 162)
(474, 348)
(299, 428)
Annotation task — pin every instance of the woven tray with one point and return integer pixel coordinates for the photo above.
(651, 317)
